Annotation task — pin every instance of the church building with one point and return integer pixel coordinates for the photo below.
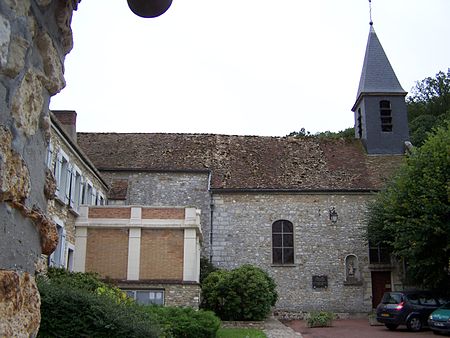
(294, 206)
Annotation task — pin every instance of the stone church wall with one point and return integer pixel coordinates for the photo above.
(242, 234)
(35, 35)
(169, 189)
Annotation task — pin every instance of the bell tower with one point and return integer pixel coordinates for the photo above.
(381, 120)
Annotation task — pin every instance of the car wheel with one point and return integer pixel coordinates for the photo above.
(391, 326)
(414, 324)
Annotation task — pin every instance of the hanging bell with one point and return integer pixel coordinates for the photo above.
(149, 8)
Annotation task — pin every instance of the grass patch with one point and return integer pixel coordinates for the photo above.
(240, 333)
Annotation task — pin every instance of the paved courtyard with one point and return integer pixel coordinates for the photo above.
(354, 328)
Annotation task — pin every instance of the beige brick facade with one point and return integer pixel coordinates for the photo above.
(139, 252)
(110, 213)
(107, 252)
(162, 254)
(163, 213)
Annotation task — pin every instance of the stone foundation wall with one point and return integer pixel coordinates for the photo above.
(174, 294)
(35, 36)
(242, 234)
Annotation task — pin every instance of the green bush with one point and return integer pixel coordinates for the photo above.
(87, 281)
(69, 311)
(245, 293)
(320, 319)
(206, 267)
(185, 322)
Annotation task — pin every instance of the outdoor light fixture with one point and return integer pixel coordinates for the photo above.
(333, 215)
(149, 8)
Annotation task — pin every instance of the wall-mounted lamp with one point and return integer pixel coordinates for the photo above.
(333, 215)
(149, 8)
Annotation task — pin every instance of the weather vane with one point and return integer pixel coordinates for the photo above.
(370, 12)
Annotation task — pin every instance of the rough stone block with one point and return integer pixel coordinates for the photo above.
(19, 305)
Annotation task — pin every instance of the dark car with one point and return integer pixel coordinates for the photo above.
(410, 308)
(439, 320)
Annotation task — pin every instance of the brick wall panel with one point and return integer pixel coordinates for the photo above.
(107, 252)
(162, 254)
(162, 213)
(122, 213)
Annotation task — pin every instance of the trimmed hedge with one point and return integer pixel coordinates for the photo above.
(245, 293)
(185, 322)
(69, 311)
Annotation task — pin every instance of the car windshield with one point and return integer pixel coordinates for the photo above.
(392, 298)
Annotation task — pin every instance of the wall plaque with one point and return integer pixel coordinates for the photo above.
(319, 282)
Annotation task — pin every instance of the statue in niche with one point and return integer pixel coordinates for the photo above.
(351, 268)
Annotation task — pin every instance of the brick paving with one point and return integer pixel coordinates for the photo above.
(354, 328)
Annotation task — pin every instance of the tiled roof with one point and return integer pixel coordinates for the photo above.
(245, 162)
(377, 75)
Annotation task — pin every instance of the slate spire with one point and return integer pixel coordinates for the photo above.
(377, 75)
(380, 110)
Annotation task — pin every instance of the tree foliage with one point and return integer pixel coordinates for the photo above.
(346, 133)
(245, 293)
(428, 106)
(411, 217)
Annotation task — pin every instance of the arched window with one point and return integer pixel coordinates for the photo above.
(282, 242)
(386, 115)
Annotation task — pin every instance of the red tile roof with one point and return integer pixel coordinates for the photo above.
(246, 162)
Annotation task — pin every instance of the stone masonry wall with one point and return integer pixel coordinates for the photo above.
(242, 234)
(169, 189)
(35, 36)
(185, 295)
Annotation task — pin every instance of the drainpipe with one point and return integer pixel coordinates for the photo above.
(211, 208)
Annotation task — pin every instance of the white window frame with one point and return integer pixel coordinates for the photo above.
(133, 294)
(62, 173)
(76, 188)
(94, 196)
(87, 193)
(70, 255)
(58, 257)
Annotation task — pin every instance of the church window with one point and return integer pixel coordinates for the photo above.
(359, 123)
(282, 242)
(386, 116)
(378, 254)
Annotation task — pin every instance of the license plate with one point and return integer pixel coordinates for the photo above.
(438, 324)
(385, 315)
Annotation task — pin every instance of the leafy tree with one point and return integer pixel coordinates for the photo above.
(346, 133)
(428, 106)
(411, 217)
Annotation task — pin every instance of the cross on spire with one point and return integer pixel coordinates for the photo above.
(370, 12)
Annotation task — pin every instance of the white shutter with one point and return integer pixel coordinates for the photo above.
(68, 177)
(62, 248)
(58, 167)
(94, 195)
(72, 185)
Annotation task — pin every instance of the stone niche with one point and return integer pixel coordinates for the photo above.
(35, 36)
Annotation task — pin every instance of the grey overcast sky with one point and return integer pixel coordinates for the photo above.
(245, 67)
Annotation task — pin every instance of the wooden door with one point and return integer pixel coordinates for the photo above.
(381, 283)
